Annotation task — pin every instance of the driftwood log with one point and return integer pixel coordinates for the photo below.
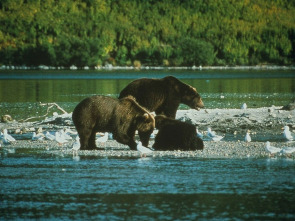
(49, 106)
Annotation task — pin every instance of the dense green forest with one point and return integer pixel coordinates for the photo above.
(147, 32)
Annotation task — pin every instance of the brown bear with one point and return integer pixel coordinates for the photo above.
(163, 95)
(122, 117)
(176, 135)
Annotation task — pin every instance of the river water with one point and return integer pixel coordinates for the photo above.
(34, 185)
(21, 91)
(44, 187)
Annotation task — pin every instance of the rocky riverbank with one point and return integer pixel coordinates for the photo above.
(264, 124)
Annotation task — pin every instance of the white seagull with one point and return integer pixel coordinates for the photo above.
(287, 134)
(288, 150)
(212, 135)
(244, 106)
(76, 144)
(247, 137)
(39, 136)
(65, 134)
(143, 150)
(272, 150)
(49, 136)
(103, 139)
(199, 134)
(7, 138)
(60, 138)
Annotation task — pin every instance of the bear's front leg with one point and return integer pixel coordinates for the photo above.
(91, 142)
(145, 137)
(125, 139)
(132, 144)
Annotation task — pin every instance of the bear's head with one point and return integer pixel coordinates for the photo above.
(145, 122)
(141, 119)
(188, 95)
(145, 126)
(191, 97)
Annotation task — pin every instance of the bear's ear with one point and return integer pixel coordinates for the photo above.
(131, 97)
(146, 116)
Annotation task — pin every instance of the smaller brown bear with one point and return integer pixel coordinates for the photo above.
(176, 135)
(122, 117)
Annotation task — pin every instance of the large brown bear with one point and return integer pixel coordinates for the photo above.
(176, 135)
(105, 114)
(163, 95)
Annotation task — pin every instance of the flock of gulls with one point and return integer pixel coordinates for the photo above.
(285, 150)
(65, 135)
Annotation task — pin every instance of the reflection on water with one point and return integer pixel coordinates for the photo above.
(221, 89)
(157, 188)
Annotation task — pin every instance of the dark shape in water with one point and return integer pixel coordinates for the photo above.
(290, 106)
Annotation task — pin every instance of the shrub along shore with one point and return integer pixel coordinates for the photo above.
(150, 33)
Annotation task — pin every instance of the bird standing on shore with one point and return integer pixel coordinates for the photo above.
(287, 134)
(212, 135)
(103, 139)
(65, 134)
(199, 134)
(7, 138)
(49, 136)
(288, 150)
(143, 150)
(39, 136)
(272, 150)
(76, 145)
(247, 137)
(244, 106)
(60, 138)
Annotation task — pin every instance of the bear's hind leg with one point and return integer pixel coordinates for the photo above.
(91, 142)
(83, 142)
(84, 135)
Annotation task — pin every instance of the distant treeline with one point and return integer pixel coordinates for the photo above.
(149, 32)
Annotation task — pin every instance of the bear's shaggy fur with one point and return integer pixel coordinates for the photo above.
(122, 117)
(176, 135)
(163, 95)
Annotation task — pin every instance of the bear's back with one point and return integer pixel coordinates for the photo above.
(149, 93)
(93, 107)
(178, 128)
(143, 86)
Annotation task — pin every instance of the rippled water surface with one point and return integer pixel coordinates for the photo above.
(21, 91)
(45, 187)
(34, 185)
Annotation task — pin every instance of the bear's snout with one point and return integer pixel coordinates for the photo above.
(200, 103)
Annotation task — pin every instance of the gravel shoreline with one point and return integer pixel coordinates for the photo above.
(222, 149)
(268, 121)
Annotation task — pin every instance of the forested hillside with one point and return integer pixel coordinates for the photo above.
(148, 32)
